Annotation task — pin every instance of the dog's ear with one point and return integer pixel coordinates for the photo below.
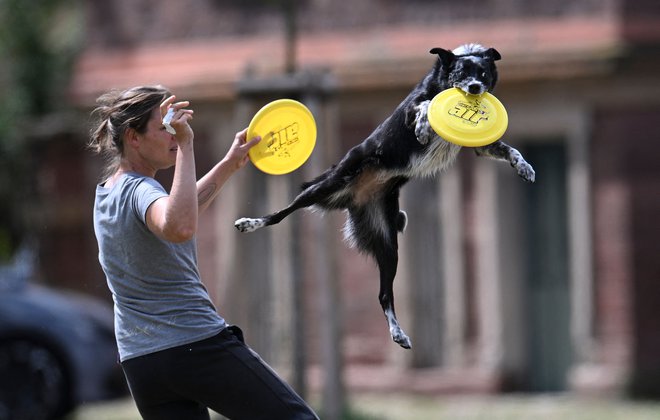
(492, 54)
(445, 56)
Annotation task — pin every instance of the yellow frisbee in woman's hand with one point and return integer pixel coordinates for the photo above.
(467, 120)
(288, 135)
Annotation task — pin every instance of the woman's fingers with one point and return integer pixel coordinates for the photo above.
(178, 107)
(165, 105)
(254, 140)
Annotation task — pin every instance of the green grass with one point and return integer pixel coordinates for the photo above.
(501, 408)
(411, 407)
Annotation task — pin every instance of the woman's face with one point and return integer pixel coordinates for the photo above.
(157, 147)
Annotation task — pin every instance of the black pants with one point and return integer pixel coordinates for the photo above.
(220, 373)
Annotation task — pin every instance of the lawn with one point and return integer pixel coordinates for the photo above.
(503, 408)
(410, 407)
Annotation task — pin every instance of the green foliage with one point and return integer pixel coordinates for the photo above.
(39, 40)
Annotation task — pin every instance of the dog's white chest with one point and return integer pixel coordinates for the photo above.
(438, 155)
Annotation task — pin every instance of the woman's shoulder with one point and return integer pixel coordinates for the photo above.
(129, 185)
(129, 180)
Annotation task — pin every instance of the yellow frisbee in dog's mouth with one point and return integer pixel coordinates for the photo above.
(288, 135)
(467, 120)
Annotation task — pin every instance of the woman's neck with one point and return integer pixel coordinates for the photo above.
(126, 167)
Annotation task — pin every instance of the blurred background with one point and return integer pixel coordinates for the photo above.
(505, 288)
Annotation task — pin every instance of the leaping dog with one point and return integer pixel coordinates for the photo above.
(367, 181)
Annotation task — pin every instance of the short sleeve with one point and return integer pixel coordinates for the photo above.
(145, 193)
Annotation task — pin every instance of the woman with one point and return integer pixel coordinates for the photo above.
(179, 356)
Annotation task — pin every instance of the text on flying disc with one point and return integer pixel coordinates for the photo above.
(471, 113)
(280, 142)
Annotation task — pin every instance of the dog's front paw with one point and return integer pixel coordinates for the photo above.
(248, 225)
(525, 171)
(423, 130)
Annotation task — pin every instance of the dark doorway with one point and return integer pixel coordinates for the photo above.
(548, 286)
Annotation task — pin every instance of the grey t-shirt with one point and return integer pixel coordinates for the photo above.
(159, 299)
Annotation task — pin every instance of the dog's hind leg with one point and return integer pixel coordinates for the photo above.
(387, 259)
(323, 191)
(373, 229)
(320, 194)
(502, 151)
(247, 224)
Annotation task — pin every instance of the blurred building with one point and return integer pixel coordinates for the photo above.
(501, 285)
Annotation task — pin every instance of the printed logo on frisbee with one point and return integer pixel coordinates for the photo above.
(471, 113)
(280, 143)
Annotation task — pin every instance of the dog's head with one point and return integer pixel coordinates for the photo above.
(469, 67)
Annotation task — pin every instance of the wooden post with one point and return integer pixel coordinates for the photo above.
(453, 270)
(423, 251)
(245, 294)
(286, 265)
(325, 263)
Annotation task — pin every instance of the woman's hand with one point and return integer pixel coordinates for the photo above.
(180, 120)
(237, 156)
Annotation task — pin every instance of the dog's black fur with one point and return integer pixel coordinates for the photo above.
(366, 182)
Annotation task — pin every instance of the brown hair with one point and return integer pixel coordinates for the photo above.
(117, 111)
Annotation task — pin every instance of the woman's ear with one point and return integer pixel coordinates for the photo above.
(131, 138)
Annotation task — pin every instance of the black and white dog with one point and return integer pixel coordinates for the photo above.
(366, 182)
